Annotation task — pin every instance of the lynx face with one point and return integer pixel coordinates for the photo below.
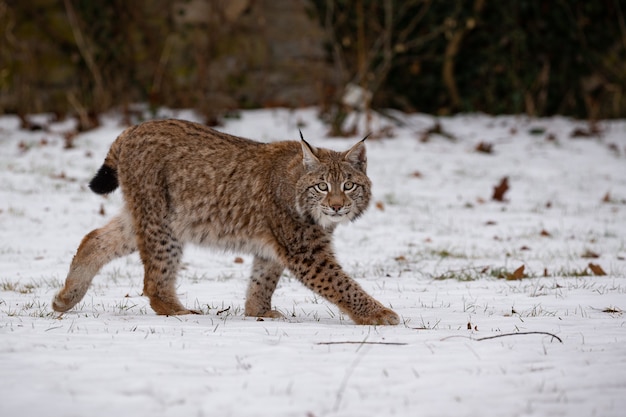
(335, 188)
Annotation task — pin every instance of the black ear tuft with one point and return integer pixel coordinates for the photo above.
(357, 155)
(105, 180)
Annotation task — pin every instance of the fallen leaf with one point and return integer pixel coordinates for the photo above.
(592, 130)
(490, 223)
(484, 147)
(469, 326)
(614, 148)
(68, 139)
(416, 174)
(400, 258)
(380, 205)
(606, 198)
(238, 260)
(545, 233)
(102, 212)
(517, 274)
(590, 255)
(501, 189)
(545, 272)
(524, 248)
(596, 269)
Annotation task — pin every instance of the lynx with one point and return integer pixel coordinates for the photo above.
(187, 183)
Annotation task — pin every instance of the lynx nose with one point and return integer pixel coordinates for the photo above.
(336, 207)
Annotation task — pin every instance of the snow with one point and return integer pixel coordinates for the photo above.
(431, 247)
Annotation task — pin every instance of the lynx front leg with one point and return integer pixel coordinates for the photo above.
(263, 280)
(98, 248)
(321, 273)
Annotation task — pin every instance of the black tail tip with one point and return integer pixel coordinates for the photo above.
(105, 180)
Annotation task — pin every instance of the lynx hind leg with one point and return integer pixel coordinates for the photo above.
(263, 281)
(98, 248)
(161, 254)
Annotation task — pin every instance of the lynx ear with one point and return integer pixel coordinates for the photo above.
(309, 157)
(357, 156)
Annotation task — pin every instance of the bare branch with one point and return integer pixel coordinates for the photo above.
(363, 343)
(86, 53)
(504, 335)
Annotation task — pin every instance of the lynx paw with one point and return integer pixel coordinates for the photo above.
(273, 314)
(382, 317)
(170, 308)
(269, 314)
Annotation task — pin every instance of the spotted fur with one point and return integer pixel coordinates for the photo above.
(186, 183)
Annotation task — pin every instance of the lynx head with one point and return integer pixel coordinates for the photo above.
(334, 187)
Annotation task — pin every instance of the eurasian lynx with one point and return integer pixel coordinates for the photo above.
(184, 182)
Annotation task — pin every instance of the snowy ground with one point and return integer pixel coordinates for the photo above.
(435, 247)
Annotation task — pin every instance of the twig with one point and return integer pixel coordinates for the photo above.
(504, 335)
(363, 343)
(223, 311)
(85, 50)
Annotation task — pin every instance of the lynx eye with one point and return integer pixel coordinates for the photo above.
(322, 186)
(348, 185)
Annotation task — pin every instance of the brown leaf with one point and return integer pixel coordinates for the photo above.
(517, 274)
(590, 255)
(606, 198)
(490, 223)
(238, 260)
(469, 326)
(596, 269)
(400, 258)
(484, 147)
(68, 139)
(592, 130)
(501, 189)
(416, 174)
(525, 248)
(102, 212)
(380, 205)
(545, 233)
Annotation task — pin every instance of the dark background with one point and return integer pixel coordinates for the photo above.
(539, 57)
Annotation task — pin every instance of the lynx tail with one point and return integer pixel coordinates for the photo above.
(105, 180)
